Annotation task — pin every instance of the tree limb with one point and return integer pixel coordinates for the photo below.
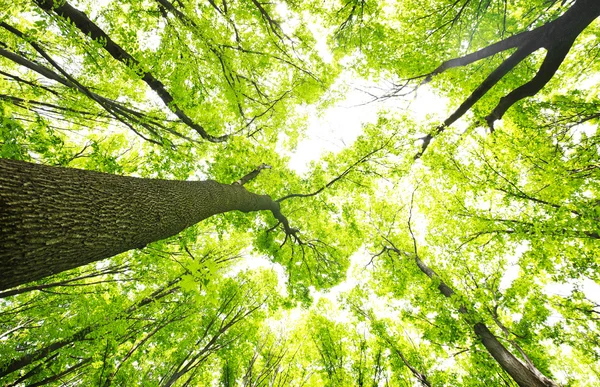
(556, 36)
(250, 176)
(89, 28)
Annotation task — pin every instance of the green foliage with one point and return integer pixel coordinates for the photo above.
(353, 294)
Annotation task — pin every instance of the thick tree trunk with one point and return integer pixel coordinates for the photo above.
(54, 219)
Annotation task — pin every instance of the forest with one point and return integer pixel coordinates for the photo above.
(297, 193)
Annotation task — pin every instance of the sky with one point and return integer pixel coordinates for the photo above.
(338, 126)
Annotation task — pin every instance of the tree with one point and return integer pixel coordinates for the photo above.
(524, 373)
(135, 135)
(557, 37)
(83, 216)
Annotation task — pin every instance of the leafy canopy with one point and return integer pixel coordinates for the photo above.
(507, 219)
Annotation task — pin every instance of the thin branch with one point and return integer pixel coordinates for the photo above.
(252, 175)
(337, 178)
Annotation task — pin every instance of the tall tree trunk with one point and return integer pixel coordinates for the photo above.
(521, 373)
(54, 219)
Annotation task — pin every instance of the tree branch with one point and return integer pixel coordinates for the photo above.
(89, 28)
(252, 175)
(556, 36)
(336, 179)
(550, 65)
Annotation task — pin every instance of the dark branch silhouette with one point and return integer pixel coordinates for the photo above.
(557, 37)
(89, 28)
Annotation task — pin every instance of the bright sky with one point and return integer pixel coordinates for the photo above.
(338, 126)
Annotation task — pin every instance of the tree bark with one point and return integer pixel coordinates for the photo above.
(55, 219)
(523, 375)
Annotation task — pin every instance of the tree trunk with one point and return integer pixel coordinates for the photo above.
(28, 359)
(55, 219)
(523, 375)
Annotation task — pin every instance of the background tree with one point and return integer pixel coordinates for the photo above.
(193, 92)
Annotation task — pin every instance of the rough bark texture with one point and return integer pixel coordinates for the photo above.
(54, 219)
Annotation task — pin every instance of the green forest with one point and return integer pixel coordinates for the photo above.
(298, 193)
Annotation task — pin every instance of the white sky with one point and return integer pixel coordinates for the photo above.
(338, 126)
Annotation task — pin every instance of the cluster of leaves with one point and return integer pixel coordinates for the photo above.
(486, 229)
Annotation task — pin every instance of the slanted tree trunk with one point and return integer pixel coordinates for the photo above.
(523, 374)
(55, 219)
(29, 359)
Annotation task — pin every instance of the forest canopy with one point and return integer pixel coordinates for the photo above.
(299, 193)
